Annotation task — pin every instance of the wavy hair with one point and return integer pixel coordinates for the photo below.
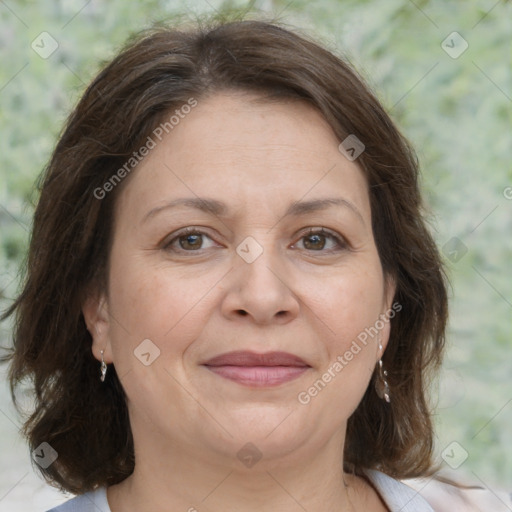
(87, 421)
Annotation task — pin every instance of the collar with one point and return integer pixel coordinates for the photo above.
(398, 496)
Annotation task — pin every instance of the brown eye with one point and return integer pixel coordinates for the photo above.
(191, 241)
(314, 242)
(321, 240)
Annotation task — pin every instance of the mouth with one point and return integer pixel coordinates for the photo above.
(257, 370)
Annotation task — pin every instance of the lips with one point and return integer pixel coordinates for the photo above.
(257, 370)
(246, 358)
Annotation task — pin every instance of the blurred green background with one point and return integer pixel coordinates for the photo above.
(456, 110)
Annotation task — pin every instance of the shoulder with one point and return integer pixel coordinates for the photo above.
(437, 494)
(95, 501)
(397, 495)
(446, 496)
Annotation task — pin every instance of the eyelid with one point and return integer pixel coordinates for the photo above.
(189, 230)
(340, 239)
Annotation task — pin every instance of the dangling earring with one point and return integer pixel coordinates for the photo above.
(381, 384)
(103, 368)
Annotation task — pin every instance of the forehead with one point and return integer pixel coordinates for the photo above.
(239, 147)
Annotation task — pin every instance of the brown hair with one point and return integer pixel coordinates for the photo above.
(86, 421)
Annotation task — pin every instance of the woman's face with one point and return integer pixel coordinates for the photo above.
(244, 229)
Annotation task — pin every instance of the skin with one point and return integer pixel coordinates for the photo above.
(305, 295)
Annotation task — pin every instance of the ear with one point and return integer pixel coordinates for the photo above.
(389, 311)
(97, 320)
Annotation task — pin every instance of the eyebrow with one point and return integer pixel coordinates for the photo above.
(302, 207)
(220, 209)
(203, 204)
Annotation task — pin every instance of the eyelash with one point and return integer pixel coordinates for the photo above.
(184, 233)
(338, 239)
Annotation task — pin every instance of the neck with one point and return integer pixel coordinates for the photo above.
(188, 478)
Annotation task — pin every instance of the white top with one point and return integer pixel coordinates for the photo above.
(399, 496)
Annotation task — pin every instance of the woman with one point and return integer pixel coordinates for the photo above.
(232, 301)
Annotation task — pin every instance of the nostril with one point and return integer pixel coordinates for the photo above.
(242, 312)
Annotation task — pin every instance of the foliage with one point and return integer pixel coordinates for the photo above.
(456, 111)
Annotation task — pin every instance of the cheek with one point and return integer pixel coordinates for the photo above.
(148, 305)
(147, 302)
(350, 303)
(349, 307)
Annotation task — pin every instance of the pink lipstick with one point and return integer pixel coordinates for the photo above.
(257, 370)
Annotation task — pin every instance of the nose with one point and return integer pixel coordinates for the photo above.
(260, 292)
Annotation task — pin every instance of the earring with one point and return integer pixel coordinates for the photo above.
(381, 384)
(103, 368)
